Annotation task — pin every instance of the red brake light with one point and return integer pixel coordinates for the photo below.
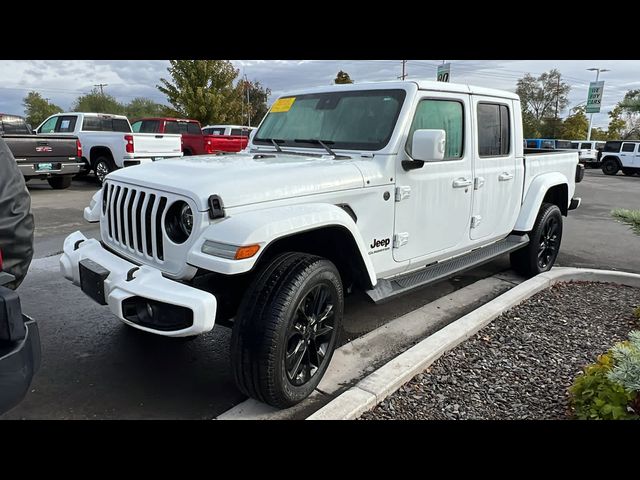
(208, 146)
(129, 145)
(79, 148)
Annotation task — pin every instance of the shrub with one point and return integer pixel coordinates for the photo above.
(626, 363)
(596, 397)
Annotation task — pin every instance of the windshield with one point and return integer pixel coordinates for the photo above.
(351, 120)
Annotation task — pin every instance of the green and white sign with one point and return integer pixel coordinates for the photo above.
(443, 72)
(594, 99)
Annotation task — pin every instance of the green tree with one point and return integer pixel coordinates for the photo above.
(543, 98)
(37, 109)
(202, 89)
(342, 77)
(631, 101)
(575, 126)
(530, 126)
(97, 102)
(253, 102)
(599, 134)
(617, 124)
(141, 107)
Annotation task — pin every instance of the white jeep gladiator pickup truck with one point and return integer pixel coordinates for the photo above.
(109, 143)
(383, 187)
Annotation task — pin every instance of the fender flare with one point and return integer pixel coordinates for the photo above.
(264, 227)
(534, 197)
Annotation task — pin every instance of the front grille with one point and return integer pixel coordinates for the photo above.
(134, 220)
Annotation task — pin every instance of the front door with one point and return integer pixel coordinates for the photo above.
(627, 154)
(495, 202)
(433, 203)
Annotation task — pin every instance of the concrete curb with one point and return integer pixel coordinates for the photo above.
(373, 389)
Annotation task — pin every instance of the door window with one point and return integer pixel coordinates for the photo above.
(49, 126)
(494, 130)
(444, 115)
(193, 129)
(628, 147)
(67, 124)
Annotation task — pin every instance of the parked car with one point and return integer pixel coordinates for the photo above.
(588, 151)
(548, 144)
(383, 187)
(228, 138)
(194, 141)
(108, 141)
(56, 159)
(19, 336)
(620, 155)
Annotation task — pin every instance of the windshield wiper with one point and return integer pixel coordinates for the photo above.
(275, 142)
(323, 144)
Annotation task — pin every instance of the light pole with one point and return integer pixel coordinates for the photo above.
(591, 115)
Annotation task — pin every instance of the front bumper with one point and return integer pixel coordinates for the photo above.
(18, 363)
(127, 280)
(30, 169)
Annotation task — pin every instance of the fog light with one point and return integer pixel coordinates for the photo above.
(157, 315)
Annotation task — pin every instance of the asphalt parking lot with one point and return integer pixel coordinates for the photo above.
(95, 367)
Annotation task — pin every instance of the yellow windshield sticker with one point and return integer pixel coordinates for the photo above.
(283, 104)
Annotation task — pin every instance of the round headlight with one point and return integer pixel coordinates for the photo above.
(186, 219)
(178, 222)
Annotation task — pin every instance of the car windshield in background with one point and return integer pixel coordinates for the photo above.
(351, 120)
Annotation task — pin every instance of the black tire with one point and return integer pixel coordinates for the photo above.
(629, 171)
(102, 167)
(610, 166)
(544, 243)
(60, 182)
(273, 321)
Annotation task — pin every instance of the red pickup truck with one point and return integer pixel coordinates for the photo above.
(194, 140)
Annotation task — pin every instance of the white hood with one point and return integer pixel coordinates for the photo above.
(243, 179)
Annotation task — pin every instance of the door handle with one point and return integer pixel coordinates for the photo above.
(503, 177)
(462, 183)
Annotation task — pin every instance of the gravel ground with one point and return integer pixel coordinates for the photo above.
(521, 365)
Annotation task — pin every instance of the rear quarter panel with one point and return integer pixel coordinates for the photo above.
(542, 172)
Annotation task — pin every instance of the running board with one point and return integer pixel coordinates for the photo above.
(388, 288)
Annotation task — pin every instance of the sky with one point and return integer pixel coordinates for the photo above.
(62, 81)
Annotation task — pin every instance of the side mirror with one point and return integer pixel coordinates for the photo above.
(426, 146)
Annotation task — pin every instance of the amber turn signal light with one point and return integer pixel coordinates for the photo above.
(246, 252)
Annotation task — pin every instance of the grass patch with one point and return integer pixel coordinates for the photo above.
(630, 217)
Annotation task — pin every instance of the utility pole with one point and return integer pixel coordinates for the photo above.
(246, 84)
(555, 122)
(100, 86)
(404, 70)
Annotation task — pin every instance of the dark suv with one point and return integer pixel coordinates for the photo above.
(19, 337)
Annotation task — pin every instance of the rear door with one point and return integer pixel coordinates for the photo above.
(495, 194)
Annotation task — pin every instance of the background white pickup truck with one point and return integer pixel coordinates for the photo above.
(108, 142)
(382, 187)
